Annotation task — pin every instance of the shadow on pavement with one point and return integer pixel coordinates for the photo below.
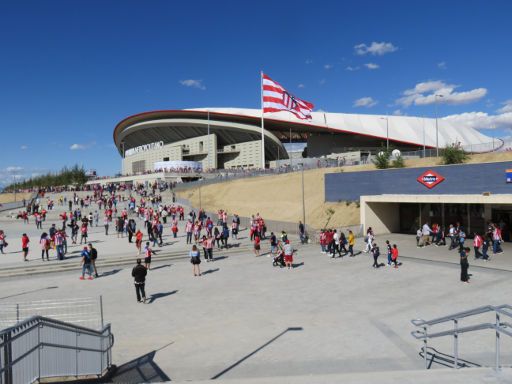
(140, 370)
(210, 271)
(255, 351)
(220, 258)
(161, 266)
(156, 296)
(110, 273)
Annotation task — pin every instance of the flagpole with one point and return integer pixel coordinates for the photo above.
(262, 126)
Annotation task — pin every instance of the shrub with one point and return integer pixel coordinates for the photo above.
(453, 155)
(398, 162)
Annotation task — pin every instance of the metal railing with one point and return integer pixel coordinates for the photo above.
(498, 326)
(40, 347)
(85, 312)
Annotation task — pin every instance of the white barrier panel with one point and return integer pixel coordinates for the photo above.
(177, 164)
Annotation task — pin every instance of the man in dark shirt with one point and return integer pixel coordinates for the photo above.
(139, 273)
(94, 255)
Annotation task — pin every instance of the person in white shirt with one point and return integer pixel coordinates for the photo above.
(426, 231)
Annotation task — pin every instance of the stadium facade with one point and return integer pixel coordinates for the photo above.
(225, 138)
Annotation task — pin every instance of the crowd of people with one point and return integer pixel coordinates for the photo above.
(141, 215)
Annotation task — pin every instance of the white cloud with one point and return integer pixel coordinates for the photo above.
(352, 69)
(372, 66)
(481, 120)
(441, 65)
(78, 147)
(75, 147)
(14, 168)
(320, 110)
(328, 66)
(322, 82)
(425, 94)
(375, 49)
(23, 147)
(365, 102)
(309, 61)
(301, 85)
(507, 107)
(193, 84)
(397, 112)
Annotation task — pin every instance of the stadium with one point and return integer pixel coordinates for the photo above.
(228, 138)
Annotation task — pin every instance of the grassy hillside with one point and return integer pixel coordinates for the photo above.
(279, 197)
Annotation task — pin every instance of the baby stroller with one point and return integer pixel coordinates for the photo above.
(278, 260)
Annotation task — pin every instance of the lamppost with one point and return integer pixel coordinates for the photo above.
(437, 126)
(387, 131)
(303, 200)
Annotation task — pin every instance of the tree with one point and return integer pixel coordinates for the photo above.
(381, 161)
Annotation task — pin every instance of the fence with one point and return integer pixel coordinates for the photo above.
(86, 312)
(39, 348)
(497, 145)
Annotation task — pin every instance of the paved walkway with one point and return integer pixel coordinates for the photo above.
(245, 318)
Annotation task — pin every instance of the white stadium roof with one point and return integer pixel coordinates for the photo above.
(412, 130)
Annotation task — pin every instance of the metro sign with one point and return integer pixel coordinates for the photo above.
(430, 179)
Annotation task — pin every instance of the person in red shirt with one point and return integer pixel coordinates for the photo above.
(24, 246)
(257, 245)
(138, 240)
(394, 255)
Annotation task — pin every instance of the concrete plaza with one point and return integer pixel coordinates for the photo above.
(326, 320)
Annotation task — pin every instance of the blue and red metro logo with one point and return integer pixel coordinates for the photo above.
(430, 179)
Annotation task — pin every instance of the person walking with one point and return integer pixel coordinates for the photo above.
(86, 264)
(94, 255)
(139, 273)
(147, 256)
(209, 247)
(464, 265)
(45, 246)
(138, 240)
(106, 224)
(477, 243)
(288, 254)
(195, 259)
(3, 242)
(375, 254)
(132, 226)
(257, 245)
(351, 242)
(389, 252)
(394, 255)
(188, 229)
(83, 235)
(24, 246)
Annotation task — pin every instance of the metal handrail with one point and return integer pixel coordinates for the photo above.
(14, 337)
(498, 327)
(460, 315)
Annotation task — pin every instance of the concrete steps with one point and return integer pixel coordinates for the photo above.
(39, 267)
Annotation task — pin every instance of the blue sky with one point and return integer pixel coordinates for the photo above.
(70, 70)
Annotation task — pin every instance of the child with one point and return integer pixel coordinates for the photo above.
(418, 237)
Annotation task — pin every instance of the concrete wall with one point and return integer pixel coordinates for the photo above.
(459, 179)
(382, 217)
(249, 155)
(206, 153)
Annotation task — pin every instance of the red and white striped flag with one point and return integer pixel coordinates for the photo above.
(276, 98)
